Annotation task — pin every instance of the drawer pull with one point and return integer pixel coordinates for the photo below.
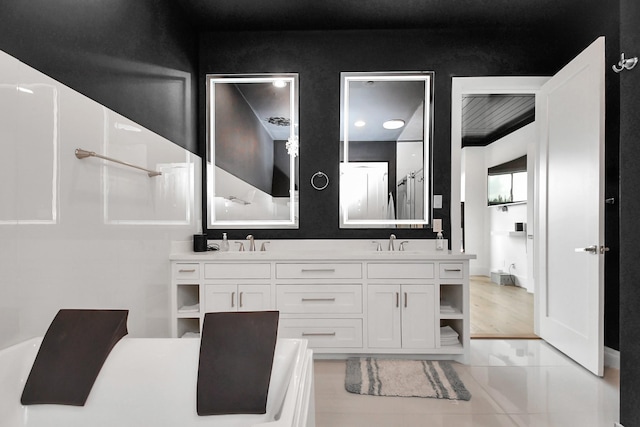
(240, 302)
(184, 270)
(453, 269)
(405, 300)
(318, 299)
(233, 297)
(318, 334)
(318, 270)
(397, 299)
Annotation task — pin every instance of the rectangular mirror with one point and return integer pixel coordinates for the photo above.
(252, 151)
(385, 167)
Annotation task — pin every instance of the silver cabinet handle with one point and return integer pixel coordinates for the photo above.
(405, 300)
(452, 269)
(397, 299)
(318, 334)
(183, 270)
(240, 302)
(317, 299)
(318, 270)
(233, 297)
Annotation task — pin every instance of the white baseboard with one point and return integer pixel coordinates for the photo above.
(611, 358)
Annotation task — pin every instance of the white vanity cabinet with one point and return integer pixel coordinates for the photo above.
(230, 297)
(321, 302)
(360, 303)
(401, 316)
(237, 286)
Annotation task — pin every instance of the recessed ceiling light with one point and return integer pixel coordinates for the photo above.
(393, 124)
(279, 83)
(359, 123)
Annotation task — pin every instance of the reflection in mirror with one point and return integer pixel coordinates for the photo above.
(385, 169)
(252, 173)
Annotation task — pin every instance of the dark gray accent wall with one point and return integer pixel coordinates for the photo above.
(629, 206)
(320, 56)
(138, 58)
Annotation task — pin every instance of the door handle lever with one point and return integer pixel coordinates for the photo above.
(593, 249)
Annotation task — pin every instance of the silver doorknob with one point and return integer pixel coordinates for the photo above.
(604, 249)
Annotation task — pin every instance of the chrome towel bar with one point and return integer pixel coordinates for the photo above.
(83, 154)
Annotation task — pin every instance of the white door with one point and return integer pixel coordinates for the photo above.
(418, 316)
(570, 107)
(254, 297)
(220, 298)
(383, 320)
(364, 190)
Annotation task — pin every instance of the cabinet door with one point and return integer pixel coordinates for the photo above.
(220, 298)
(254, 297)
(383, 318)
(418, 316)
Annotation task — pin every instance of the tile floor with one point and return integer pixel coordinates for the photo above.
(512, 383)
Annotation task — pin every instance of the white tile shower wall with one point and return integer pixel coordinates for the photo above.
(85, 233)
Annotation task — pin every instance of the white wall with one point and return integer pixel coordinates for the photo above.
(487, 228)
(84, 233)
(474, 196)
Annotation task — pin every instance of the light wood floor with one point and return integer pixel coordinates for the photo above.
(500, 311)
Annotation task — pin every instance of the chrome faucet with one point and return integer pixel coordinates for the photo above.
(402, 245)
(391, 239)
(252, 243)
(263, 247)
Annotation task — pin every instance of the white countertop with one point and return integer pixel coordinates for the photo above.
(320, 250)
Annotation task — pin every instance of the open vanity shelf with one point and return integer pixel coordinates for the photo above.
(393, 303)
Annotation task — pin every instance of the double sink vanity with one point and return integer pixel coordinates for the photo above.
(344, 296)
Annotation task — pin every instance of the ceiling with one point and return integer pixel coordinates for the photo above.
(271, 106)
(243, 15)
(487, 118)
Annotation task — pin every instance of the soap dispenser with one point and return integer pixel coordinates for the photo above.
(224, 246)
(439, 241)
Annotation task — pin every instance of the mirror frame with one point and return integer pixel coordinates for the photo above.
(428, 78)
(293, 221)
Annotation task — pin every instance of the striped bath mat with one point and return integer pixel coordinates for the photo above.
(405, 378)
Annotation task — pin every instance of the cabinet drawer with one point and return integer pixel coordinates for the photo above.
(319, 271)
(237, 271)
(323, 333)
(397, 270)
(185, 271)
(328, 299)
(451, 271)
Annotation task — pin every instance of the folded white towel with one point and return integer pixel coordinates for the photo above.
(189, 308)
(448, 332)
(447, 309)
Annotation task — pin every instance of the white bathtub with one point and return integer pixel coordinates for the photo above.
(151, 382)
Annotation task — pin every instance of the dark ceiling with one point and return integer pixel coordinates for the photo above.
(257, 15)
(487, 118)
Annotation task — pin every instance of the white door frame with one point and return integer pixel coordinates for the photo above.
(483, 85)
